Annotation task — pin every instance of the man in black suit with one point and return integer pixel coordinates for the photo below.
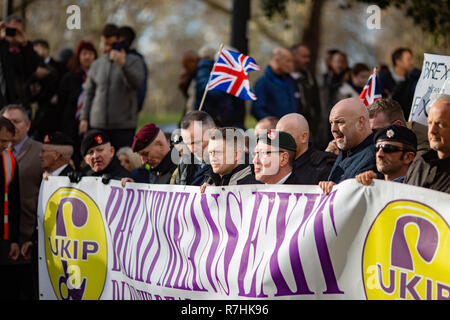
(56, 153)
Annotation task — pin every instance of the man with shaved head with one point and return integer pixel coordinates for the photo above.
(350, 128)
(311, 165)
(275, 90)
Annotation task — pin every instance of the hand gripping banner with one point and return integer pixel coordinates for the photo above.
(385, 241)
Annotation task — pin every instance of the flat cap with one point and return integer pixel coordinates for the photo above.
(397, 133)
(92, 139)
(144, 137)
(283, 139)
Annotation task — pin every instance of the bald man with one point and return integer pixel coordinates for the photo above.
(275, 89)
(432, 169)
(311, 165)
(350, 128)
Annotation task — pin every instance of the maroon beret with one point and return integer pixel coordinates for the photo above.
(144, 137)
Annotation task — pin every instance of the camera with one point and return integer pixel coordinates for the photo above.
(11, 32)
(121, 45)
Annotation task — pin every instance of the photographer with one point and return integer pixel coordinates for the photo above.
(110, 101)
(18, 61)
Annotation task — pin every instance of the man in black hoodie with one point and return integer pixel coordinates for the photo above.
(310, 165)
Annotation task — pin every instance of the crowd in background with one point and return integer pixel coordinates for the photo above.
(77, 117)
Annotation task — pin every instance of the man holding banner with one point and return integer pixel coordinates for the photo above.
(396, 147)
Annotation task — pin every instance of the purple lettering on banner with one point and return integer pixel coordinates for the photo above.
(54, 251)
(391, 287)
(166, 231)
(426, 244)
(322, 247)
(440, 291)
(233, 237)
(79, 215)
(89, 247)
(215, 236)
(112, 195)
(116, 293)
(120, 229)
(294, 248)
(159, 197)
(197, 231)
(409, 286)
(275, 270)
(65, 249)
(129, 250)
(177, 236)
(140, 266)
(243, 267)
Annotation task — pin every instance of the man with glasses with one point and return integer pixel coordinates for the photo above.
(229, 162)
(396, 148)
(274, 158)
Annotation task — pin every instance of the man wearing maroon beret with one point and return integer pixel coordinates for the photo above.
(153, 148)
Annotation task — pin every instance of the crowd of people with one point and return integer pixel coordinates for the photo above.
(307, 133)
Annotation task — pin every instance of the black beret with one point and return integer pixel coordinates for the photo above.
(58, 138)
(92, 139)
(284, 139)
(397, 133)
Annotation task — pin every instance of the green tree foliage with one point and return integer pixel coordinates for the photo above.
(431, 15)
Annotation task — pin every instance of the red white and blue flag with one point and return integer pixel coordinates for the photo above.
(371, 91)
(230, 74)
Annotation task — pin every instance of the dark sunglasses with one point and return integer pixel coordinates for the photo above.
(388, 148)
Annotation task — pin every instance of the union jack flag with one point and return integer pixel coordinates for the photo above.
(230, 74)
(371, 91)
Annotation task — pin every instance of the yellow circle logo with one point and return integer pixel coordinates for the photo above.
(407, 254)
(75, 245)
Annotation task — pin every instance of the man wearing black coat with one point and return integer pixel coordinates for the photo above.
(100, 157)
(18, 61)
(310, 165)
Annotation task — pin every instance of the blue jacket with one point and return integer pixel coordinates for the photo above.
(275, 96)
(355, 161)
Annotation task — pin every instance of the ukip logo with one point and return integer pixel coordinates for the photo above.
(406, 254)
(75, 245)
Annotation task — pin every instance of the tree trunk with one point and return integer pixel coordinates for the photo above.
(311, 34)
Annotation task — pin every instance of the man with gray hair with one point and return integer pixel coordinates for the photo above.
(56, 153)
(350, 127)
(432, 169)
(26, 151)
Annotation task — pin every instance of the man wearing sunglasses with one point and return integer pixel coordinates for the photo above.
(395, 148)
(274, 158)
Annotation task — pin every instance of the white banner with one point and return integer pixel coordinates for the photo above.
(386, 241)
(434, 80)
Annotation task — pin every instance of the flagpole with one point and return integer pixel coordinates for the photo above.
(206, 88)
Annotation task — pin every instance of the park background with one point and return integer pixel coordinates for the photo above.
(167, 28)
